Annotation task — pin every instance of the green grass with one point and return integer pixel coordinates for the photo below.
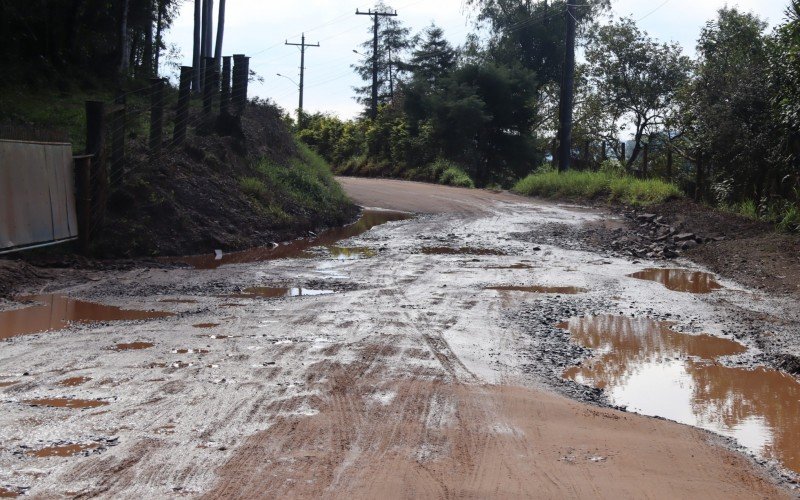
(596, 185)
(306, 181)
(454, 176)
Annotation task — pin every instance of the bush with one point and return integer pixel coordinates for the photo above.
(454, 176)
(592, 185)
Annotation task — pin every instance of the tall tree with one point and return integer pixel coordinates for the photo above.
(433, 58)
(635, 78)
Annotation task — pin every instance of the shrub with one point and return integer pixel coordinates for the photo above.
(591, 185)
(454, 176)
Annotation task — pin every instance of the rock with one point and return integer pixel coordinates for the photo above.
(684, 236)
(670, 253)
(646, 217)
(688, 245)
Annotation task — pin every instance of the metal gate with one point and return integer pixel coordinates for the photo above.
(37, 195)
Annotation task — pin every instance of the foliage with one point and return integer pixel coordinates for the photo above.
(594, 185)
(453, 175)
(634, 79)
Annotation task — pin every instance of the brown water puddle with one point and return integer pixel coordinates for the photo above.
(56, 312)
(653, 370)
(7, 384)
(65, 450)
(178, 301)
(298, 248)
(461, 251)
(74, 381)
(512, 266)
(564, 290)
(206, 326)
(66, 403)
(351, 253)
(270, 292)
(134, 346)
(680, 280)
(5, 493)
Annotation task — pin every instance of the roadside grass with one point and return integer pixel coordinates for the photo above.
(304, 187)
(594, 185)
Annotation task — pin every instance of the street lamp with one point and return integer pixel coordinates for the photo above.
(284, 76)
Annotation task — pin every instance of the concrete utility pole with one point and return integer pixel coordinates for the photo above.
(567, 93)
(302, 46)
(377, 15)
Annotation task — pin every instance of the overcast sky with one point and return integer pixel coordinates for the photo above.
(259, 28)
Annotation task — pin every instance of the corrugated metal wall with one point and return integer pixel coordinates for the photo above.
(37, 194)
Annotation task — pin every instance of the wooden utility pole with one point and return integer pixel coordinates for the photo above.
(376, 15)
(198, 24)
(567, 93)
(220, 34)
(300, 87)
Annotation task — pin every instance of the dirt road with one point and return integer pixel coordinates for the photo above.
(389, 371)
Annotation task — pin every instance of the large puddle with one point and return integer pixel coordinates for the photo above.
(653, 370)
(680, 280)
(56, 312)
(299, 248)
(270, 292)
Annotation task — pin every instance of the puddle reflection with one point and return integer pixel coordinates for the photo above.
(680, 280)
(653, 370)
(56, 312)
(299, 248)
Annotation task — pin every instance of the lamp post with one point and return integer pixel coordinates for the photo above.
(300, 108)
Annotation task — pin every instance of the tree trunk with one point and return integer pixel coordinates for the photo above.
(196, 46)
(124, 40)
(147, 53)
(159, 20)
(220, 33)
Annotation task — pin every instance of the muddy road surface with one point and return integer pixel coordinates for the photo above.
(442, 353)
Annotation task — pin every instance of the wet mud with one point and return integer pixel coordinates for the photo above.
(66, 403)
(561, 290)
(74, 381)
(461, 251)
(300, 248)
(65, 450)
(134, 346)
(647, 367)
(680, 280)
(56, 312)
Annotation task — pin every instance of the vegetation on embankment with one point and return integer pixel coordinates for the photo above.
(603, 185)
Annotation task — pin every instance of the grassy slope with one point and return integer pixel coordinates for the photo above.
(596, 185)
(216, 192)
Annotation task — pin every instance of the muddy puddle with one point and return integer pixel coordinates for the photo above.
(269, 292)
(74, 381)
(205, 326)
(5, 493)
(56, 312)
(461, 251)
(64, 450)
(66, 403)
(300, 248)
(653, 370)
(680, 280)
(561, 290)
(134, 346)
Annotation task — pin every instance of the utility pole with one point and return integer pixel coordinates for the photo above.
(567, 93)
(376, 15)
(302, 46)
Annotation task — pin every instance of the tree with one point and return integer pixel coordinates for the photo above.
(635, 79)
(433, 58)
(393, 41)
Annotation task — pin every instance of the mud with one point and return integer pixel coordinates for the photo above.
(74, 381)
(653, 370)
(64, 450)
(415, 381)
(461, 251)
(680, 280)
(66, 403)
(300, 248)
(561, 290)
(56, 312)
(206, 326)
(134, 346)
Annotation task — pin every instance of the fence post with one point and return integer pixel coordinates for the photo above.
(156, 115)
(586, 154)
(604, 153)
(208, 89)
(669, 162)
(95, 146)
(623, 147)
(83, 199)
(241, 73)
(118, 139)
(182, 112)
(554, 151)
(225, 97)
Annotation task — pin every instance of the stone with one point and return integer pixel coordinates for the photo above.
(684, 236)
(688, 245)
(646, 217)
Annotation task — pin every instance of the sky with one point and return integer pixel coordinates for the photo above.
(259, 29)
